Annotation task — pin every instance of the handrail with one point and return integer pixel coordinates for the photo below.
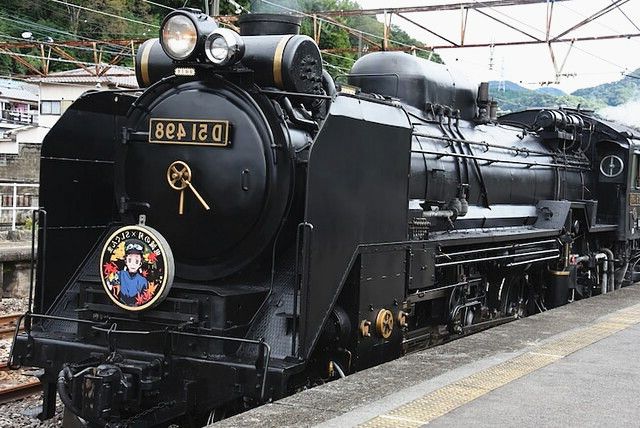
(14, 208)
(264, 350)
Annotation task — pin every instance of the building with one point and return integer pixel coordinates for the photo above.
(59, 90)
(18, 109)
(29, 111)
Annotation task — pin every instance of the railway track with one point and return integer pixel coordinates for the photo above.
(8, 325)
(14, 384)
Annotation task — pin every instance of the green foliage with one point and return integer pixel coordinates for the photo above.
(516, 98)
(59, 22)
(614, 93)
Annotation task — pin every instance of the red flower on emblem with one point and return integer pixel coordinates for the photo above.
(110, 268)
(152, 257)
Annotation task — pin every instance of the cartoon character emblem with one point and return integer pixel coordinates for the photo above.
(136, 267)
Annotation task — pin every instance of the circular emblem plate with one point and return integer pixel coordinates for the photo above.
(136, 266)
(611, 166)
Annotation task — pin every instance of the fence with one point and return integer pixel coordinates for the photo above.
(20, 117)
(13, 202)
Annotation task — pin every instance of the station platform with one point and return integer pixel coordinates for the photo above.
(576, 365)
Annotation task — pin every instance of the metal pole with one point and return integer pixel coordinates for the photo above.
(216, 7)
(15, 205)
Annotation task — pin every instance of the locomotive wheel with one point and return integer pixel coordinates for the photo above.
(513, 299)
(456, 300)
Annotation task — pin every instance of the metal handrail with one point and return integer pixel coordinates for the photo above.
(264, 350)
(14, 208)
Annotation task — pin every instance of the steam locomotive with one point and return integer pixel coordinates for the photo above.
(243, 228)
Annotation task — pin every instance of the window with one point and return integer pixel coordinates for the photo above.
(50, 107)
(65, 105)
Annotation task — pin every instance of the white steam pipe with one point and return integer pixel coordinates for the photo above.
(612, 278)
(605, 266)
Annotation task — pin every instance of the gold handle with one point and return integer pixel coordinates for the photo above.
(195, 192)
(179, 178)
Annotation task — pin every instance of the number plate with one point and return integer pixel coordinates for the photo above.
(186, 131)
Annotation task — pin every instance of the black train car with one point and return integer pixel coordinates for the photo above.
(239, 230)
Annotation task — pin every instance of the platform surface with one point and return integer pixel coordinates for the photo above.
(572, 366)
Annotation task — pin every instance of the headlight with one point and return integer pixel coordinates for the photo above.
(179, 36)
(224, 47)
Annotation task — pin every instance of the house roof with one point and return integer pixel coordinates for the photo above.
(18, 94)
(121, 77)
(16, 90)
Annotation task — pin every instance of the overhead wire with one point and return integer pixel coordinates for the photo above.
(339, 56)
(62, 45)
(619, 7)
(544, 32)
(88, 9)
(159, 5)
(344, 26)
(11, 53)
(600, 23)
(54, 9)
(16, 21)
(35, 80)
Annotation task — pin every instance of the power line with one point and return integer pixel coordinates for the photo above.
(562, 41)
(343, 26)
(159, 5)
(6, 52)
(62, 45)
(599, 22)
(43, 27)
(36, 81)
(339, 56)
(135, 21)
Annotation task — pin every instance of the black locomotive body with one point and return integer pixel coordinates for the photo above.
(309, 232)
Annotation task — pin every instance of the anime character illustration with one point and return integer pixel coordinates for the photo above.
(131, 281)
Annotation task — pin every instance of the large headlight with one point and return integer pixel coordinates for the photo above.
(179, 36)
(224, 47)
(183, 32)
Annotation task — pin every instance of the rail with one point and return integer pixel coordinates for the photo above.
(8, 325)
(13, 198)
(14, 385)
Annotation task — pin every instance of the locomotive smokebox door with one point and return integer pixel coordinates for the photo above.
(200, 156)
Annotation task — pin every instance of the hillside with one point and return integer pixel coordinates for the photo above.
(551, 91)
(32, 22)
(516, 97)
(614, 93)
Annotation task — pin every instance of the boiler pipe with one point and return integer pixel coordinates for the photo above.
(611, 277)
